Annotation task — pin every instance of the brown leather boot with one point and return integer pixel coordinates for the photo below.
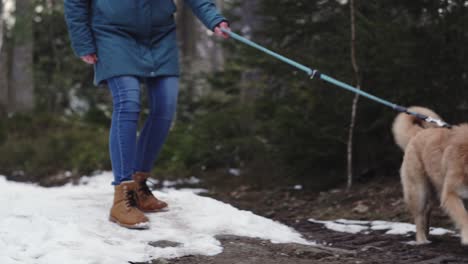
(146, 200)
(124, 210)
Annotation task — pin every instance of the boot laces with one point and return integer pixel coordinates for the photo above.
(131, 199)
(145, 189)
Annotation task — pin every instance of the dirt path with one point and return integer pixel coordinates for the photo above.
(333, 248)
(241, 250)
(372, 201)
(380, 248)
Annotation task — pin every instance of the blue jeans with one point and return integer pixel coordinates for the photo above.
(129, 154)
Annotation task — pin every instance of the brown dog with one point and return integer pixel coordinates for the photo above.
(435, 166)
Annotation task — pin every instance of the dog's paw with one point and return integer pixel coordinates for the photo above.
(464, 242)
(464, 237)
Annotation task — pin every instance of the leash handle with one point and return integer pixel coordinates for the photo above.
(314, 74)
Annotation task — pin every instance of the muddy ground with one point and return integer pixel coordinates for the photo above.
(380, 199)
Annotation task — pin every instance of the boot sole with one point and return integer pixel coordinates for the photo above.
(140, 226)
(165, 209)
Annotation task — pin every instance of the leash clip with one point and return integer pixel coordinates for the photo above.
(315, 74)
(437, 122)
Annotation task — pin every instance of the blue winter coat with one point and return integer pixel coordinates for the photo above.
(131, 37)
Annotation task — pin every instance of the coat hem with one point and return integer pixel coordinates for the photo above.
(98, 82)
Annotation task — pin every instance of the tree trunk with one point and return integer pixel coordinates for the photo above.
(3, 80)
(187, 33)
(250, 23)
(356, 97)
(21, 85)
(187, 36)
(1, 25)
(3, 65)
(200, 52)
(250, 78)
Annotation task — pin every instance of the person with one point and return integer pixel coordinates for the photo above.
(131, 42)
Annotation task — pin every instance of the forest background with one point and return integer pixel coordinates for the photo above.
(240, 113)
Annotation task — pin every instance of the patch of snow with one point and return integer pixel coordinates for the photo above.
(70, 224)
(301, 21)
(192, 181)
(234, 172)
(353, 222)
(190, 190)
(8, 13)
(39, 8)
(415, 243)
(105, 109)
(391, 228)
(341, 227)
(246, 30)
(297, 187)
(209, 32)
(77, 104)
(437, 231)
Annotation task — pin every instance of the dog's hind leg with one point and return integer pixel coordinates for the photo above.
(418, 194)
(453, 205)
(428, 218)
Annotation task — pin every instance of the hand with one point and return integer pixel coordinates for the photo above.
(90, 59)
(220, 33)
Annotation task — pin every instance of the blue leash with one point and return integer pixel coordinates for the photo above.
(314, 74)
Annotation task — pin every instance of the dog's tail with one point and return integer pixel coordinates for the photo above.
(407, 126)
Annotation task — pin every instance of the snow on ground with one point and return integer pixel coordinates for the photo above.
(69, 225)
(190, 181)
(391, 228)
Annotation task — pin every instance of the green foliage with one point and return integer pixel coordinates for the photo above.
(56, 69)
(259, 110)
(211, 141)
(409, 52)
(304, 122)
(41, 146)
